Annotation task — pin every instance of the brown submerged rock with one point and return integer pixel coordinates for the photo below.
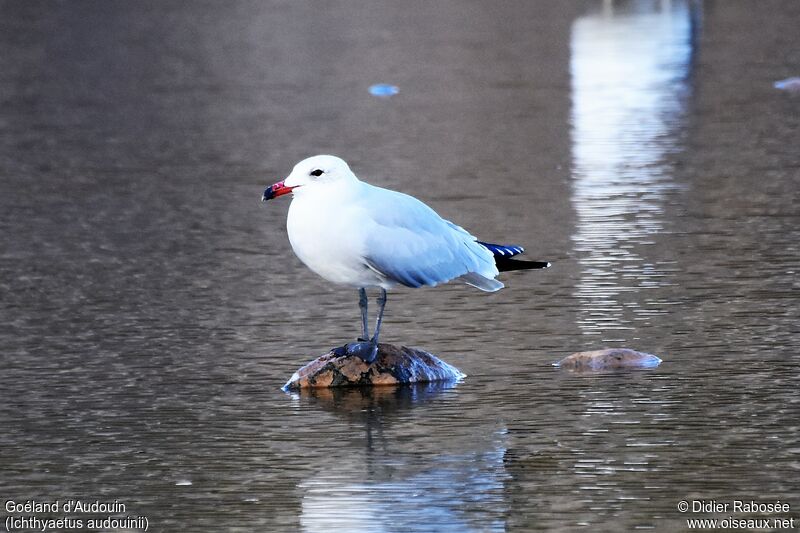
(393, 365)
(608, 359)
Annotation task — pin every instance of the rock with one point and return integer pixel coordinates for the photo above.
(393, 365)
(608, 359)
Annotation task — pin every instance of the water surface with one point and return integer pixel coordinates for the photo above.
(151, 308)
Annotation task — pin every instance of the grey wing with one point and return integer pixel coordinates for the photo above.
(410, 244)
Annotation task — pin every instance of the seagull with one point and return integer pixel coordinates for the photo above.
(352, 233)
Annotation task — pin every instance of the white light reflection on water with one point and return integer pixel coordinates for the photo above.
(454, 492)
(629, 64)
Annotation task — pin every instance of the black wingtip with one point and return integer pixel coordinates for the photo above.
(503, 254)
(506, 264)
(503, 250)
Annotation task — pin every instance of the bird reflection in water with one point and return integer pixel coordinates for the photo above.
(373, 406)
(406, 473)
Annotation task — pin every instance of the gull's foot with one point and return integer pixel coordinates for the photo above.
(366, 350)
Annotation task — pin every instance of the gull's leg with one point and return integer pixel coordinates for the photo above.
(366, 349)
(362, 304)
(382, 304)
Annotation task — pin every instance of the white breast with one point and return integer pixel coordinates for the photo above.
(325, 235)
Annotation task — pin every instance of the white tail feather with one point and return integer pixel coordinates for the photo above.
(481, 282)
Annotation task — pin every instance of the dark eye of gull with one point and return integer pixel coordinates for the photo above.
(317, 172)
